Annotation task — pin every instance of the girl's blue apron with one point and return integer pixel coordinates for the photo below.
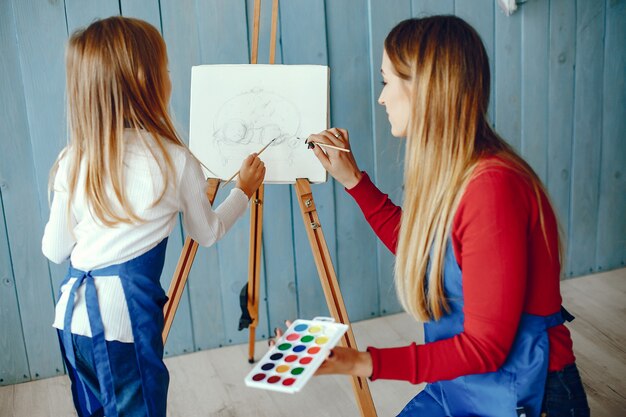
(145, 299)
(514, 390)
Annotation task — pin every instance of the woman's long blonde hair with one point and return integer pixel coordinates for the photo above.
(446, 64)
(116, 78)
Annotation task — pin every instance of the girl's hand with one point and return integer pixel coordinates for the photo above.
(347, 361)
(251, 175)
(341, 165)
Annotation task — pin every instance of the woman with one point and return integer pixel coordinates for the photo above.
(476, 240)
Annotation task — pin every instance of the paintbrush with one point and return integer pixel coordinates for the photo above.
(257, 154)
(325, 145)
(311, 144)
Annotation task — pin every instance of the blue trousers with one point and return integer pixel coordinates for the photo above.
(564, 394)
(128, 391)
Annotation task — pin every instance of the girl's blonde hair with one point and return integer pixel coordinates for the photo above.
(117, 78)
(446, 65)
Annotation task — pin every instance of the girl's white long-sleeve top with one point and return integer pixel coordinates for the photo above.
(91, 245)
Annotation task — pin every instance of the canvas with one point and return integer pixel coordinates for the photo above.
(238, 109)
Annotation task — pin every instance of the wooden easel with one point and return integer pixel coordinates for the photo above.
(313, 227)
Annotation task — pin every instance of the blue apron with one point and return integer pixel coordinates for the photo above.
(145, 298)
(515, 389)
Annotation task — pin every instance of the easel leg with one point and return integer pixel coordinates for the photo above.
(332, 292)
(188, 254)
(254, 266)
(256, 212)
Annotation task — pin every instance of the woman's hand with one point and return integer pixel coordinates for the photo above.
(278, 332)
(347, 361)
(341, 165)
(251, 175)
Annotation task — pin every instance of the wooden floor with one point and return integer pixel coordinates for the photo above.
(210, 383)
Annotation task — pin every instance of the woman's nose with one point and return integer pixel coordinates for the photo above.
(381, 101)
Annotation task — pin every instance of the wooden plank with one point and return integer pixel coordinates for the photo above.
(562, 39)
(277, 289)
(182, 53)
(350, 108)
(183, 266)
(597, 332)
(273, 36)
(232, 257)
(231, 246)
(207, 398)
(233, 267)
(480, 14)
(222, 32)
(234, 274)
(254, 266)
(222, 38)
(180, 339)
(44, 95)
(13, 363)
(178, 284)
(279, 284)
(304, 42)
(264, 32)
(534, 135)
(80, 13)
(330, 285)
(254, 43)
(422, 8)
(388, 151)
(611, 229)
(205, 299)
(147, 10)
(22, 219)
(583, 220)
(508, 71)
(6, 401)
(31, 399)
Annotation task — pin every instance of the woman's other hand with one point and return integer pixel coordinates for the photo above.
(251, 174)
(341, 165)
(278, 332)
(347, 361)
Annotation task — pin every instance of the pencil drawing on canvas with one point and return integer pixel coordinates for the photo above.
(255, 117)
(238, 109)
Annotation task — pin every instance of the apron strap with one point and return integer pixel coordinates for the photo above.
(567, 316)
(67, 322)
(101, 355)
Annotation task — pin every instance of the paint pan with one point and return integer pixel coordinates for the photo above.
(297, 354)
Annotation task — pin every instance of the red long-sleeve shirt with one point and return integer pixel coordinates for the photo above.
(500, 247)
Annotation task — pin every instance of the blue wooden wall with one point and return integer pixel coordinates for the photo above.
(558, 96)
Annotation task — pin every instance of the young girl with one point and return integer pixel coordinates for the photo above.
(118, 188)
(477, 244)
